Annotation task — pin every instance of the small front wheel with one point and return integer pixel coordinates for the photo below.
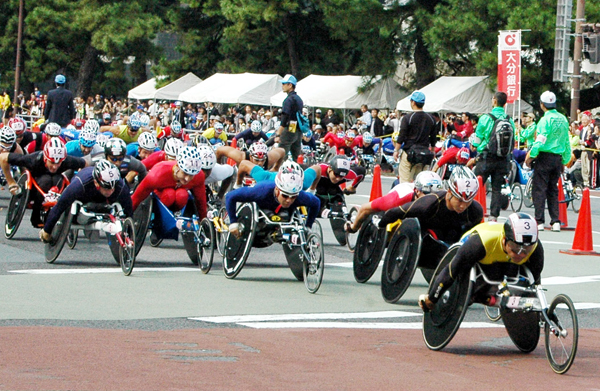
(206, 245)
(562, 334)
(576, 195)
(516, 198)
(352, 237)
(127, 249)
(492, 313)
(313, 263)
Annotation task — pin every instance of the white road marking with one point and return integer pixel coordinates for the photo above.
(564, 243)
(105, 270)
(282, 317)
(560, 280)
(358, 325)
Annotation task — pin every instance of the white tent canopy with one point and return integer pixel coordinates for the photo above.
(250, 88)
(146, 90)
(458, 94)
(171, 91)
(341, 92)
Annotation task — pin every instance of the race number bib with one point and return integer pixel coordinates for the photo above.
(110, 174)
(540, 139)
(293, 126)
(466, 185)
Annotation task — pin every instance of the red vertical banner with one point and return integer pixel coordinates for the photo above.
(509, 64)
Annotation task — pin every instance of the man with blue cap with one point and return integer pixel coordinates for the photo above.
(60, 107)
(416, 139)
(289, 135)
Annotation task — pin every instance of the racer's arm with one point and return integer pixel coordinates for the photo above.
(276, 156)
(232, 153)
(143, 190)
(115, 130)
(313, 186)
(10, 181)
(138, 168)
(312, 203)
(199, 193)
(68, 196)
(420, 208)
(244, 134)
(356, 175)
(155, 157)
(124, 199)
(243, 194)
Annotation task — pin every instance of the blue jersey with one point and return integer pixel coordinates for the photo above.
(132, 149)
(70, 134)
(388, 146)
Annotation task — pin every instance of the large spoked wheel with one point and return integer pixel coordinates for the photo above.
(523, 328)
(561, 344)
(443, 321)
(72, 238)
(221, 235)
(516, 199)
(141, 221)
(400, 261)
(369, 249)
(59, 236)
(331, 153)
(294, 258)
(189, 238)
(127, 250)
(317, 228)
(351, 238)
(314, 263)
(16, 209)
(238, 249)
(206, 245)
(337, 226)
(527, 197)
(577, 196)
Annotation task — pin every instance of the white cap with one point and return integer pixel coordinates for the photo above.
(548, 99)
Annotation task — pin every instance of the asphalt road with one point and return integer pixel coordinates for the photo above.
(79, 323)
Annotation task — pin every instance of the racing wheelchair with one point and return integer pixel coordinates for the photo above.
(516, 299)
(18, 203)
(303, 249)
(196, 235)
(334, 209)
(96, 217)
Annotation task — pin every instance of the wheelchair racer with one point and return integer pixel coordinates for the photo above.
(85, 145)
(214, 172)
(215, 135)
(252, 134)
(285, 193)
(46, 168)
(115, 151)
(426, 182)
(312, 174)
(99, 184)
(171, 180)
(333, 174)
(8, 140)
(143, 147)
(24, 136)
(51, 130)
(128, 133)
(258, 154)
(503, 245)
(447, 215)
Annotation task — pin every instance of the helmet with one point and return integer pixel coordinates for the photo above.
(18, 125)
(340, 166)
(102, 139)
(367, 138)
(256, 126)
(144, 120)
(79, 123)
(350, 135)
(134, 123)
(341, 134)
(308, 134)
(199, 139)
(521, 228)
(55, 151)
(188, 160)
(218, 128)
(92, 125)
(53, 129)
(115, 147)
(428, 181)
(87, 138)
(106, 174)
(463, 183)
(463, 155)
(71, 127)
(258, 150)
(8, 135)
(289, 178)
(207, 156)
(106, 116)
(147, 141)
(172, 147)
(175, 127)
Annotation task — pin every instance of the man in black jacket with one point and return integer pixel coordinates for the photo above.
(59, 106)
(376, 124)
(289, 135)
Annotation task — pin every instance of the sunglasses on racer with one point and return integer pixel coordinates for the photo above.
(520, 248)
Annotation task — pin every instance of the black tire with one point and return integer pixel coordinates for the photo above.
(72, 238)
(492, 313)
(314, 266)
(516, 200)
(443, 321)
(127, 252)
(189, 238)
(237, 250)
(294, 258)
(337, 226)
(155, 241)
(141, 221)
(317, 228)
(523, 328)
(59, 236)
(221, 237)
(400, 262)
(206, 245)
(561, 349)
(16, 209)
(527, 197)
(577, 196)
(370, 245)
(351, 238)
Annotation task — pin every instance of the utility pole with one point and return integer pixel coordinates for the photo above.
(19, 42)
(576, 78)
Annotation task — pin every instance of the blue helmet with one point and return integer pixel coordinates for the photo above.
(87, 138)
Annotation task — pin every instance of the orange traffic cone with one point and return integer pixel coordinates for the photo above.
(562, 207)
(300, 159)
(482, 198)
(583, 243)
(376, 186)
(230, 161)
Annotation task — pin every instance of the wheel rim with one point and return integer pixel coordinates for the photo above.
(561, 349)
(313, 271)
(397, 266)
(127, 252)
(205, 245)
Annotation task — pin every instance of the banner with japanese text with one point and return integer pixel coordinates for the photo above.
(509, 64)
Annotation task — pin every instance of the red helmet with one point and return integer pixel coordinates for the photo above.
(18, 125)
(55, 151)
(463, 155)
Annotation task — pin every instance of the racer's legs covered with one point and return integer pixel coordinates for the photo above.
(45, 182)
(174, 199)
